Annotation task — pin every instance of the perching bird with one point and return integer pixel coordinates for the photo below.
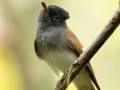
(58, 46)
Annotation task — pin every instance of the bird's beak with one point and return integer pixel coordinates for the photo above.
(45, 6)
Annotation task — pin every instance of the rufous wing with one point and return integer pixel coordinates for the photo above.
(77, 47)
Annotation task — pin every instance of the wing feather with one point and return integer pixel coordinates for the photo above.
(75, 44)
(37, 50)
(73, 41)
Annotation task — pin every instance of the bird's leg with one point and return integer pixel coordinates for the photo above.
(62, 80)
(71, 71)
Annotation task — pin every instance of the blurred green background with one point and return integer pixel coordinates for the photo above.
(20, 69)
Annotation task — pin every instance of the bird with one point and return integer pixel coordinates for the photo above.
(59, 47)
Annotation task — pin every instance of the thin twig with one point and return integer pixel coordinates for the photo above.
(90, 51)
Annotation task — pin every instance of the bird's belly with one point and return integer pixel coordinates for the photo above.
(60, 60)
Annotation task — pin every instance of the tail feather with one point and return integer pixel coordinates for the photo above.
(83, 81)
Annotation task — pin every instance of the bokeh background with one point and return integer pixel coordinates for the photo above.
(20, 69)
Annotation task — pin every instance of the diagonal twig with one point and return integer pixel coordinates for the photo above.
(90, 51)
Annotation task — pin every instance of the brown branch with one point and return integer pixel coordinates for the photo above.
(90, 51)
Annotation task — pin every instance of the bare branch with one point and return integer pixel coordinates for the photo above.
(90, 51)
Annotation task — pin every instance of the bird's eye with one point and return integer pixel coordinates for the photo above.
(55, 18)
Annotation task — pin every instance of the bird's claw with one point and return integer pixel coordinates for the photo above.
(61, 81)
(70, 71)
